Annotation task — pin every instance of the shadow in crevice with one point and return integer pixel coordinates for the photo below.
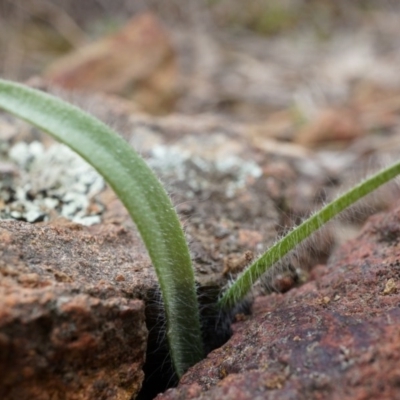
(216, 330)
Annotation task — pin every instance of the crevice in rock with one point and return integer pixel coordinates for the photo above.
(216, 329)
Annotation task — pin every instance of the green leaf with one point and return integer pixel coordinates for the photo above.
(239, 289)
(142, 194)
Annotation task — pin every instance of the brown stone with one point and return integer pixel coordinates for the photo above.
(332, 125)
(69, 328)
(137, 62)
(333, 338)
(222, 187)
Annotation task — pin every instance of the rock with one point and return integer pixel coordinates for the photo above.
(335, 337)
(332, 125)
(70, 327)
(223, 185)
(137, 62)
(222, 188)
(234, 195)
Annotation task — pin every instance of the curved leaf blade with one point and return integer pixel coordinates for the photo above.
(143, 196)
(241, 287)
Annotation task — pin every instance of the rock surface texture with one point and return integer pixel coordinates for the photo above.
(71, 324)
(66, 286)
(336, 337)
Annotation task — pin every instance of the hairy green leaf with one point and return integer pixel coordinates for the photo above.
(239, 289)
(143, 196)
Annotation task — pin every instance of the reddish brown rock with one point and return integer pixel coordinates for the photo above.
(334, 338)
(332, 125)
(69, 326)
(232, 200)
(137, 62)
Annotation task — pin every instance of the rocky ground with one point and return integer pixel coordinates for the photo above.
(251, 124)
(334, 337)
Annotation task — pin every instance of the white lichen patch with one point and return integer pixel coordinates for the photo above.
(49, 182)
(202, 173)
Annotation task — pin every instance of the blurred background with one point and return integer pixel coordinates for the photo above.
(282, 65)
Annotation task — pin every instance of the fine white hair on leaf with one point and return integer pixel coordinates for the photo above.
(306, 253)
